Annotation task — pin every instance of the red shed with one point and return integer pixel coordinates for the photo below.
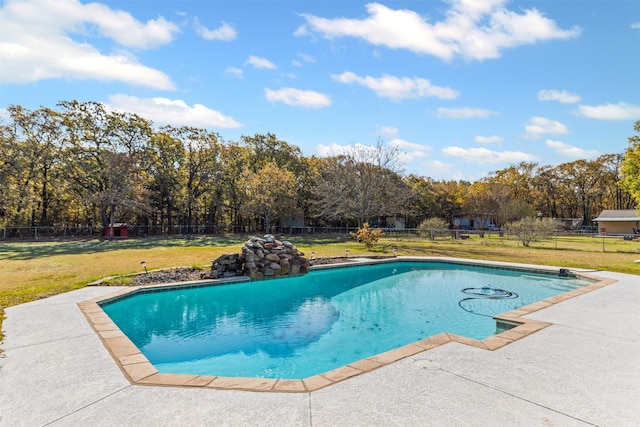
(120, 230)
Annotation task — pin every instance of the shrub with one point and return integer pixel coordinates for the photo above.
(531, 229)
(366, 235)
(431, 227)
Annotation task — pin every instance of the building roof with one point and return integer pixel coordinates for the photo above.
(618, 215)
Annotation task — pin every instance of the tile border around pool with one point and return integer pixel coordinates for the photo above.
(138, 370)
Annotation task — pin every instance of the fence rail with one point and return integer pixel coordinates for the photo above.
(45, 233)
(90, 232)
(140, 231)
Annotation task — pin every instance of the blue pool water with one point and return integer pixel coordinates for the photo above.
(302, 326)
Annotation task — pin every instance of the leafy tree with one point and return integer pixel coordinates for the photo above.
(166, 175)
(268, 149)
(270, 193)
(307, 198)
(449, 197)
(36, 139)
(201, 166)
(397, 195)
(550, 187)
(490, 199)
(126, 195)
(582, 179)
(611, 174)
(631, 166)
(265, 149)
(483, 201)
(104, 151)
(517, 180)
(8, 175)
(511, 193)
(234, 161)
(422, 202)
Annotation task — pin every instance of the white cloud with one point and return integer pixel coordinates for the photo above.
(635, 26)
(164, 111)
(410, 151)
(397, 88)
(260, 62)
(233, 71)
(37, 43)
(472, 30)
(619, 111)
(539, 126)
(483, 156)
(487, 140)
(463, 113)
(331, 150)
(387, 131)
(225, 33)
(558, 95)
(298, 98)
(439, 166)
(115, 24)
(334, 149)
(567, 150)
(437, 169)
(304, 58)
(307, 58)
(406, 145)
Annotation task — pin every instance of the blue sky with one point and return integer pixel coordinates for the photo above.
(462, 87)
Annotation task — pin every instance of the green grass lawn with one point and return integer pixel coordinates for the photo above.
(31, 271)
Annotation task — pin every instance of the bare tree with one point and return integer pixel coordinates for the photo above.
(362, 183)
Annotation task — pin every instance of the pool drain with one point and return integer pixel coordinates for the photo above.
(427, 364)
(485, 292)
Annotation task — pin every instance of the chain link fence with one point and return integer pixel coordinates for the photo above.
(141, 231)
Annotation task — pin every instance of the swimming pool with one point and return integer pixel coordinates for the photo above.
(303, 326)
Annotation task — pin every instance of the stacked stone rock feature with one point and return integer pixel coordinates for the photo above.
(260, 258)
(227, 265)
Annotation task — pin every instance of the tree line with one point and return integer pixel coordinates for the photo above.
(82, 164)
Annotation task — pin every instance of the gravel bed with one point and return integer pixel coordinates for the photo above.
(187, 274)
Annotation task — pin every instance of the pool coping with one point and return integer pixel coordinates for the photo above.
(139, 371)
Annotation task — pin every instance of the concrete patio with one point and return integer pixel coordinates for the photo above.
(582, 370)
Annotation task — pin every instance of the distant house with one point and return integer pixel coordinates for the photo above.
(624, 221)
(473, 222)
(395, 222)
(570, 224)
(293, 221)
